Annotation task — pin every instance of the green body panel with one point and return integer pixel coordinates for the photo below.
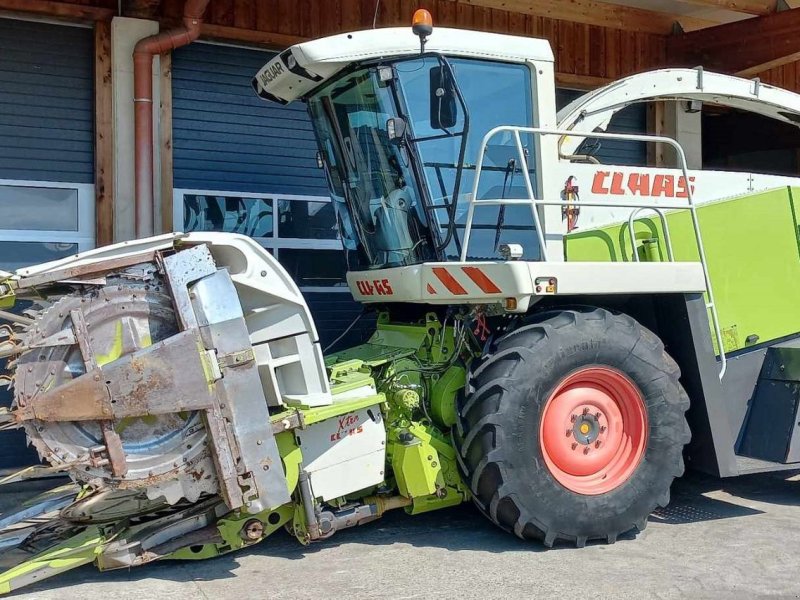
(416, 467)
(443, 397)
(79, 550)
(230, 529)
(752, 251)
(413, 365)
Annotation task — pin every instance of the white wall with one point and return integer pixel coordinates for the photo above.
(125, 32)
(686, 128)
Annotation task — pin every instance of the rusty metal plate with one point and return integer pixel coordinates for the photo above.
(164, 454)
(167, 377)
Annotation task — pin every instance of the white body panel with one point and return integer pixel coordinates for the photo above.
(281, 329)
(344, 454)
(494, 282)
(657, 186)
(323, 58)
(594, 110)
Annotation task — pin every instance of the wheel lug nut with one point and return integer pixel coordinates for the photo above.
(586, 450)
(602, 429)
(573, 418)
(597, 444)
(586, 411)
(569, 432)
(597, 415)
(574, 445)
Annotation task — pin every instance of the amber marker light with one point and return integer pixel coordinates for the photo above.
(422, 26)
(422, 23)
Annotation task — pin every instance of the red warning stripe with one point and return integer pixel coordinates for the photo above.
(450, 282)
(431, 290)
(479, 277)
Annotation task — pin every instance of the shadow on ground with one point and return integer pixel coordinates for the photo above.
(457, 529)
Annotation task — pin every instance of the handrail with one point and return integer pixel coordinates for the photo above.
(664, 228)
(535, 203)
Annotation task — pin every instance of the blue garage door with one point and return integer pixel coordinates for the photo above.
(245, 165)
(46, 157)
(226, 138)
(46, 102)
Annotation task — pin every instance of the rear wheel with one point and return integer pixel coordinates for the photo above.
(573, 427)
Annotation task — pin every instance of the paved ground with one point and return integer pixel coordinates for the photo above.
(731, 539)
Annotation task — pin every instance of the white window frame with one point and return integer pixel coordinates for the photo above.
(83, 237)
(274, 243)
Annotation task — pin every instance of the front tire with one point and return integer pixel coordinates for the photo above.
(573, 427)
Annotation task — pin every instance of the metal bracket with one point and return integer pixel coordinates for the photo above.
(113, 448)
(236, 359)
(293, 421)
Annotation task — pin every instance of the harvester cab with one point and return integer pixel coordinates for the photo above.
(541, 370)
(436, 154)
(400, 131)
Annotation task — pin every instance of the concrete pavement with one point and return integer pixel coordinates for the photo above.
(734, 539)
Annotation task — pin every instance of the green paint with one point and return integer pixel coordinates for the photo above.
(292, 458)
(230, 529)
(79, 550)
(753, 255)
(443, 395)
(416, 466)
(323, 413)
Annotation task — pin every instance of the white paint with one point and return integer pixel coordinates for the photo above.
(344, 454)
(279, 323)
(325, 57)
(125, 33)
(686, 128)
(596, 184)
(593, 111)
(519, 280)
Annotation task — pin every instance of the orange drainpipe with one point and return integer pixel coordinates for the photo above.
(143, 54)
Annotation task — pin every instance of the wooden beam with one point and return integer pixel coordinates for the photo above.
(592, 12)
(59, 9)
(165, 139)
(103, 135)
(141, 9)
(580, 82)
(656, 125)
(750, 7)
(744, 47)
(259, 38)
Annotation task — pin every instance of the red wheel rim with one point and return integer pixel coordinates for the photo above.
(593, 432)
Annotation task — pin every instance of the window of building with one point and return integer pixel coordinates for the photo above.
(300, 231)
(44, 221)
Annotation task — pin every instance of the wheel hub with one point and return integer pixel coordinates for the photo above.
(587, 429)
(603, 423)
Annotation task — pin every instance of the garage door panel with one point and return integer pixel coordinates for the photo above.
(226, 138)
(46, 78)
(46, 135)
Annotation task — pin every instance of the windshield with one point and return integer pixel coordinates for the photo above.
(496, 94)
(394, 198)
(378, 207)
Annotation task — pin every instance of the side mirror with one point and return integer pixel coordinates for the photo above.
(395, 129)
(444, 112)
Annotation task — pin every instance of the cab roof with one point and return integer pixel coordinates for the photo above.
(303, 67)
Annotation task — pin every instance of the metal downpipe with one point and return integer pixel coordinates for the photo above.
(143, 54)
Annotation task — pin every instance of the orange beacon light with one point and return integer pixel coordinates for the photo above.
(422, 26)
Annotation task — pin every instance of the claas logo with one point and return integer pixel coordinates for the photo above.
(375, 287)
(617, 183)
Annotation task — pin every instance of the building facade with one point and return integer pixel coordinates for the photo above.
(226, 160)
